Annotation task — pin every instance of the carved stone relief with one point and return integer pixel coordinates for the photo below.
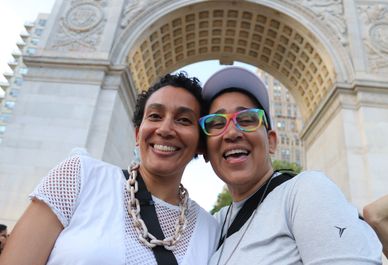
(135, 8)
(81, 27)
(375, 35)
(330, 12)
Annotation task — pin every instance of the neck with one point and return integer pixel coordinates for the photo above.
(244, 191)
(164, 188)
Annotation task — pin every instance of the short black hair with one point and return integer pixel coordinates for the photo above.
(3, 227)
(181, 80)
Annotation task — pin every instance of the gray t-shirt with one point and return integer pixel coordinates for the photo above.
(306, 220)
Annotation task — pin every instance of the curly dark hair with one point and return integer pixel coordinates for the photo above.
(190, 84)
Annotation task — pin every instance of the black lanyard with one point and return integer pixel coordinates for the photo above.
(252, 203)
(148, 214)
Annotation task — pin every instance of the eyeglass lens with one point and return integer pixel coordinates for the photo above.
(246, 120)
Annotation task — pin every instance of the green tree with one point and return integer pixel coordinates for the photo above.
(284, 165)
(224, 198)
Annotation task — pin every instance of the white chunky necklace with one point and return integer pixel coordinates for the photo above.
(134, 211)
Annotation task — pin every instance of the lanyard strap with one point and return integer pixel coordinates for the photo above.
(148, 214)
(252, 203)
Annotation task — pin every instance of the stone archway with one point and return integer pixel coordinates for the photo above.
(236, 30)
(91, 61)
(309, 46)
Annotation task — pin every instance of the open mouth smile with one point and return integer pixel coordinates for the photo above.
(235, 153)
(164, 148)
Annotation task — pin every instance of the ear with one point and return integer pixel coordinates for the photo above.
(137, 135)
(272, 141)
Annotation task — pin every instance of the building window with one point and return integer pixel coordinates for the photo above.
(285, 155)
(14, 93)
(23, 70)
(34, 41)
(30, 51)
(38, 32)
(5, 117)
(289, 112)
(277, 90)
(2, 129)
(42, 22)
(278, 111)
(293, 125)
(18, 81)
(282, 139)
(9, 104)
(297, 157)
(281, 125)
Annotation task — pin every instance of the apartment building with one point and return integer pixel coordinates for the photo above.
(13, 87)
(286, 120)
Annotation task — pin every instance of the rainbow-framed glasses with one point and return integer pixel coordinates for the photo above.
(247, 120)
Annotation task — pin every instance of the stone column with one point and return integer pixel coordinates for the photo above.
(347, 139)
(71, 97)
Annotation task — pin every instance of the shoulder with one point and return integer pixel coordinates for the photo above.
(92, 167)
(312, 180)
(84, 170)
(312, 187)
(220, 215)
(202, 213)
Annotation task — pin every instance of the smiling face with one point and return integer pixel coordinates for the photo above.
(168, 135)
(240, 159)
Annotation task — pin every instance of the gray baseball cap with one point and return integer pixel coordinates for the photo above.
(241, 79)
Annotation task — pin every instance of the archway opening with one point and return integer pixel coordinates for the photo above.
(236, 31)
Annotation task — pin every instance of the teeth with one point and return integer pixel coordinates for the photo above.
(236, 151)
(165, 148)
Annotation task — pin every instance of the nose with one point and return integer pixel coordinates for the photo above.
(166, 128)
(232, 133)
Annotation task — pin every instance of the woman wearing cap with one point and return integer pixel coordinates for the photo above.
(85, 212)
(274, 218)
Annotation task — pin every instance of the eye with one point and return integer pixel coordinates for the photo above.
(154, 117)
(184, 121)
(247, 118)
(215, 122)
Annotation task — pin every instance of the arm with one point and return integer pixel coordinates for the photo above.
(376, 214)
(33, 237)
(52, 206)
(326, 227)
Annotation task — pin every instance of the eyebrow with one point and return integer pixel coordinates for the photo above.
(155, 106)
(185, 110)
(221, 111)
(162, 107)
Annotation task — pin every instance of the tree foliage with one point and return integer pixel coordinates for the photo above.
(224, 198)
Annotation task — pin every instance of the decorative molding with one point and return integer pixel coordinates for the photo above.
(132, 10)
(135, 8)
(331, 13)
(375, 35)
(81, 27)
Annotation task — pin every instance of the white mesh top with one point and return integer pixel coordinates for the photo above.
(89, 198)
